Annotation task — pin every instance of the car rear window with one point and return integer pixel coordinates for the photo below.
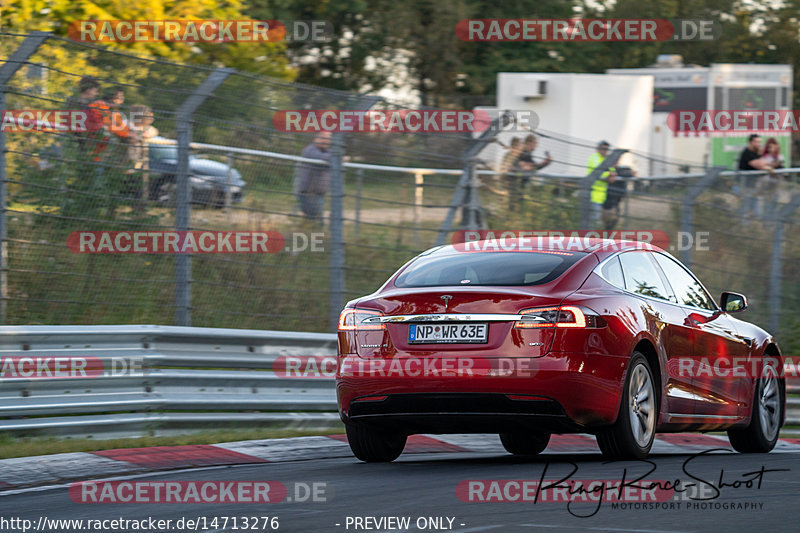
(487, 268)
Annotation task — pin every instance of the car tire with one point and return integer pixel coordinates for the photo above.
(373, 445)
(765, 424)
(632, 435)
(519, 443)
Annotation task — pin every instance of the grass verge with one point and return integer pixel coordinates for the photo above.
(26, 447)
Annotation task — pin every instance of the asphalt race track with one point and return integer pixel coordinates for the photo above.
(353, 496)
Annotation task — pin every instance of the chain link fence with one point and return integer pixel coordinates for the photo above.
(218, 163)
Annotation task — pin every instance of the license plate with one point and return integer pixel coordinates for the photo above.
(448, 333)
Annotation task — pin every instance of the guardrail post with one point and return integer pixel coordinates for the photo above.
(183, 192)
(7, 71)
(687, 208)
(587, 182)
(782, 215)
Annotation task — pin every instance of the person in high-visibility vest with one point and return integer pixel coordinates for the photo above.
(600, 185)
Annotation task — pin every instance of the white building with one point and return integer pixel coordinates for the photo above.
(580, 110)
(720, 86)
(629, 109)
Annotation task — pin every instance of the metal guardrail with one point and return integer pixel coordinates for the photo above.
(163, 379)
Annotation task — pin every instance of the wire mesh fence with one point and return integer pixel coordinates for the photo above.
(225, 167)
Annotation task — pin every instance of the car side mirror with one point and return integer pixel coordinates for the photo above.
(733, 302)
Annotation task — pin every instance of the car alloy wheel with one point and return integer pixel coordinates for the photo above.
(765, 423)
(632, 435)
(641, 402)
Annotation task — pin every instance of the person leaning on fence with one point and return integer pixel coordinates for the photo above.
(600, 185)
(751, 159)
(312, 180)
(614, 194)
(526, 162)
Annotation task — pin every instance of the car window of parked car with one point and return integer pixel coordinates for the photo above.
(642, 277)
(687, 289)
(612, 272)
(486, 268)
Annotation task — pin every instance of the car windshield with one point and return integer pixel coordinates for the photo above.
(487, 268)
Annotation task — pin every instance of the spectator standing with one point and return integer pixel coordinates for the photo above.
(772, 153)
(526, 161)
(767, 186)
(617, 189)
(88, 89)
(142, 131)
(749, 160)
(510, 172)
(312, 180)
(600, 185)
(116, 129)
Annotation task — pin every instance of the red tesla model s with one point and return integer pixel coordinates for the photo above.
(613, 338)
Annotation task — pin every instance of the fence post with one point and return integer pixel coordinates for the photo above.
(359, 183)
(183, 192)
(687, 208)
(455, 203)
(782, 215)
(228, 191)
(465, 185)
(7, 71)
(419, 181)
(587, 182)
(336, 301)
(474, 219)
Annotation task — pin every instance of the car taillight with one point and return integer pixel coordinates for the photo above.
(564, 316)
(360, 319)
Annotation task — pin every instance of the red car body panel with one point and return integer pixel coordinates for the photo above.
(575, 375)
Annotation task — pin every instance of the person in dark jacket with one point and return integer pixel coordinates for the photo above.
(312, 180)
(616, 191)
(88, 89)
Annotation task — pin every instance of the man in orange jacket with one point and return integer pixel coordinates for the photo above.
(106, 112)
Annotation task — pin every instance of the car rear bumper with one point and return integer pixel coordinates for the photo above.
(560, 392)
(460, 413)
